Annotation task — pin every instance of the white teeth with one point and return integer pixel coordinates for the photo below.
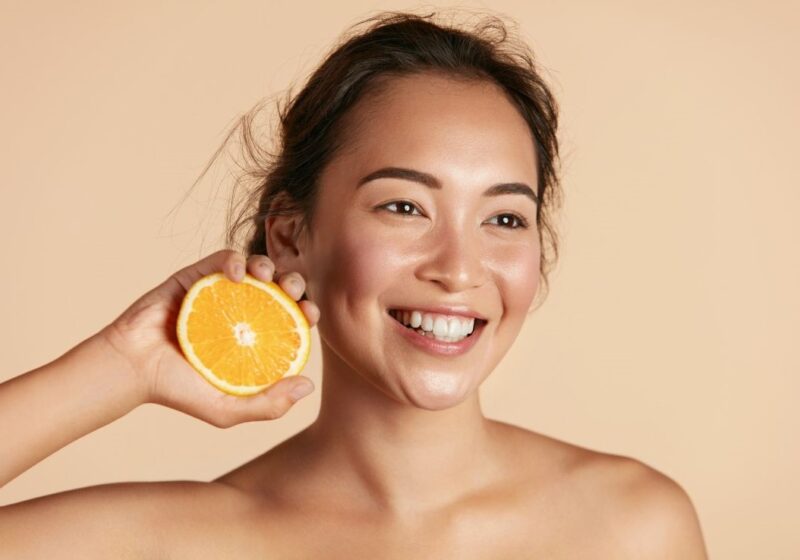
(454, 329)
(438, 326)
(449, 329)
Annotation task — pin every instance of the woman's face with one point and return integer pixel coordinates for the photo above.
(396, 243)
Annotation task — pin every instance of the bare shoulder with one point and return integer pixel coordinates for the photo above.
(120, 520)
(646, 513)
(655, 514)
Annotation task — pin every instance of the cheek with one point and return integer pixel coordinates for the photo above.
(359, 266)
(516, 271)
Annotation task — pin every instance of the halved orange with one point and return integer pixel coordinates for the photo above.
(242, 336)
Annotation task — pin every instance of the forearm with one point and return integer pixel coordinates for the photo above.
(45, 409)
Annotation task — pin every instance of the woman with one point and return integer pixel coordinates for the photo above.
(411, 194)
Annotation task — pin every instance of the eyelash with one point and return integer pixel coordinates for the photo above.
(523, 222)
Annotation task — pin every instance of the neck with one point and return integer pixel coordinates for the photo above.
(398, 457)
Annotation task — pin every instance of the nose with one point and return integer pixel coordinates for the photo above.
(454, 259)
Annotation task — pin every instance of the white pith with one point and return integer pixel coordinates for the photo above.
(442, 327)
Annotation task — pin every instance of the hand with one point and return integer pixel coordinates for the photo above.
(144, 336)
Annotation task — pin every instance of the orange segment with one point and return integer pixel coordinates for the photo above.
(242, 336)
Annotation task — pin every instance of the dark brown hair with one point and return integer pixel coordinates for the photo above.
(313, 126)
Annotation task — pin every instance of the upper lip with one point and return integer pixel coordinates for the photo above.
(461, 310)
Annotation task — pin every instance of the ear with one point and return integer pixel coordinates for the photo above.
(285, 243)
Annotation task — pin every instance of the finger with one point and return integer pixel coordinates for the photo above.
(273, 402)
(223, 260)
(262, 267)
(293, 284)
(235, 266)
(311, 311)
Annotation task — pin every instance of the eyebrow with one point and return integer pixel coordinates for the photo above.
(432, 182)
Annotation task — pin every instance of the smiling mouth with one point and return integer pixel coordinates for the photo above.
(393, 314)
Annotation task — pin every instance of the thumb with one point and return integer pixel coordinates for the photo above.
(273, 402)
(224, 260)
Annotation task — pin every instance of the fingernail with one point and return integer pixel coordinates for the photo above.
(238, 270)
(301, 390)
(265, 267)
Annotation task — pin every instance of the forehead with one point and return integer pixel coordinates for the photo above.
(441, 124)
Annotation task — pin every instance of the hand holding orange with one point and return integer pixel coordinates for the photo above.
(219, 340)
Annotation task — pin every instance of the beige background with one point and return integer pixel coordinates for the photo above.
(669, 331)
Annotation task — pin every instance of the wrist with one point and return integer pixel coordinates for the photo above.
(116, 364)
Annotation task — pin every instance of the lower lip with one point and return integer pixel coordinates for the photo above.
(438, 347)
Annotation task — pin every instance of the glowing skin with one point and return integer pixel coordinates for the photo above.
(401, 462)
(386, 404)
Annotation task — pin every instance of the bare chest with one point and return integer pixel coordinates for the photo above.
(335, 541)
(489, 533)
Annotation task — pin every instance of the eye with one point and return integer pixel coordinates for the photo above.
(400, 204)
(406, 205)
(523, 223)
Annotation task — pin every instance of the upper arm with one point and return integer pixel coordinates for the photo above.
(661, 519)
(119, 520)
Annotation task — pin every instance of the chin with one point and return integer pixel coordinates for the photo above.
(435, 391)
